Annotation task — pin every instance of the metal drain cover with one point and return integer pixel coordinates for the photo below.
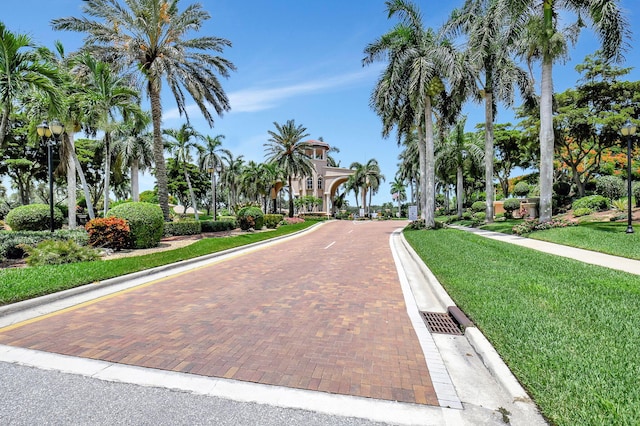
(441, 322)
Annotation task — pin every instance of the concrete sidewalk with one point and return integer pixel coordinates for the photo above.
(587, 256)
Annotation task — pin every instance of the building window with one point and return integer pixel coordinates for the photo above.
(309, 183)
(320, 182)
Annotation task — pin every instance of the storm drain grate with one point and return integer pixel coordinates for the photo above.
(439, 322)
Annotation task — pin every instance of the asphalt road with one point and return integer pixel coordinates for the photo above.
(30, 396)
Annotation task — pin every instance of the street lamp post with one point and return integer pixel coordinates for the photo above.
(628, 130)
(46, 132)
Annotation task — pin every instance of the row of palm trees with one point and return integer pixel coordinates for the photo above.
(129, 47)
(428, 79)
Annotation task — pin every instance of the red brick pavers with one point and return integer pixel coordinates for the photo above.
(323, 312)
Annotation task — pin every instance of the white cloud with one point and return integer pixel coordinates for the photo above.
(263, 98)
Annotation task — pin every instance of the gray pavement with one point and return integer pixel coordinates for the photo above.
(44, 388)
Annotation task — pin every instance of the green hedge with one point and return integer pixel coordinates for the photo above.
(271, 221)
(593, 202)
(10, 240)
(33, 217)
(250, 217)
(182, 227)
(145, 220)
(218, 225)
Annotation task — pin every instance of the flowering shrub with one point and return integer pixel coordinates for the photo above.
(530, 225)
(109, 232)
(292, 220)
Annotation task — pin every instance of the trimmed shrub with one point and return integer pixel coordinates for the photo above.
(250, 217)
(33, 217)
(145, 221)
(582, 211)
(51, 252)
(611, 187)
(479, 206)
(635, 191)
(467, 215)
(478, 218)
(11, 241)
(109, 232)
(521, 189)
(593, 202)
(271, 221)
(232, 219)
(182, 227)
(218, 225)
(510, 205)
(531, 225)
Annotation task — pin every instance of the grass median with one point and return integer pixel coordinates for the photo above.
(567, 330)
(18, 284)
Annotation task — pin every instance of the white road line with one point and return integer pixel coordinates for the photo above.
(329, 245)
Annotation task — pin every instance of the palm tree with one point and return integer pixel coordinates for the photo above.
(398, 190)
(490, 42)
(229, 176)
(419, 62)
(133, 146)
(542, 40)
(211, 161)
(22, 68)
(105, 96)
(184, 141)
(150, 37)
(285, 149)
(454, 152)
(367, 178)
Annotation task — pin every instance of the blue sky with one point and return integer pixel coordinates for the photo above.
(301, 60)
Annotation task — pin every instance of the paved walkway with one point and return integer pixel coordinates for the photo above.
(324, 313)
(587, 256)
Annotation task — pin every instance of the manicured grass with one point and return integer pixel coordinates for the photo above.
(605, 237)
(568, 330)
(18, 284)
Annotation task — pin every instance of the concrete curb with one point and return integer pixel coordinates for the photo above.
(489, 356)
(100, 285)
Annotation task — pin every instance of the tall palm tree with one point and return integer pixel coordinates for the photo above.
(210, 159)
(454, 152)
(229, 176)
(286, 149)
(150, 38)
(490, 42)
(542, 40)
(105, 97)
(419, 62)
(22, 68)
(367, 177)
(133, 146)
(398, 190)
(184, 141)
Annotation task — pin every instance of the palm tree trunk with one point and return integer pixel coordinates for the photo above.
(430, 173)
(488, 155)
(423, 171)
(71, 182)
(290, 197)
(546, 142)
(158, 146)
(4, 124)
(460, 190)
(192, 194)
(107, 172)
(213, 195)
(135, 185)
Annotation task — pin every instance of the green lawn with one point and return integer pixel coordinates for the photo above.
(18, 284)
(605, 237)
(568, 330)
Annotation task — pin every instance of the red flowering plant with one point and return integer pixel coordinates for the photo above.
(109, 232)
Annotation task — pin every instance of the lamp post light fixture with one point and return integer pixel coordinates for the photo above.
(628, 130)
(46, 132)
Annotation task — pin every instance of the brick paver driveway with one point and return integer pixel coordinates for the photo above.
(323, 311)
